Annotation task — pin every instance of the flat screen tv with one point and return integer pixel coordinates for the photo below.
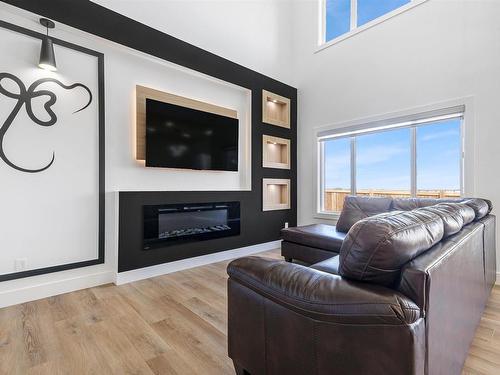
(180, 137)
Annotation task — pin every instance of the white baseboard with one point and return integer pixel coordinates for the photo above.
(52, 288)
(497, 282)
(162, 269)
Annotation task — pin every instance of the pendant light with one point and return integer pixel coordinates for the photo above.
(47, 56)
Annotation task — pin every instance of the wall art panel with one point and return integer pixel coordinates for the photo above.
(51, 156)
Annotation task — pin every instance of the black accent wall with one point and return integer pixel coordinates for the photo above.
(256, 226)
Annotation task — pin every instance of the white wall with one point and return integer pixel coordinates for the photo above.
(436, 52)
(124, 69)
(253, 33)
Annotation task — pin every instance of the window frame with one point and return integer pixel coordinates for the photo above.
(354, 29)
(394, 121)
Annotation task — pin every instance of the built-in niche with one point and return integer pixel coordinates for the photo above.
(275, 194)
(275, 152)
(275, 109)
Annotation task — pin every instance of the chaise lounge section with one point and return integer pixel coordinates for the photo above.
(403, 294)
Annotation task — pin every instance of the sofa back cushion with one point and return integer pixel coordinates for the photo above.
(408, 204)
(481, 207)
(357, 208)
(454, 216)
(376, 247)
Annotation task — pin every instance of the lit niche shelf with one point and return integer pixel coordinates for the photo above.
(275, 194)
(275, 109)
(275, 152)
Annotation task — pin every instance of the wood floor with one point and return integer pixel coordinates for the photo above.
(172, 324)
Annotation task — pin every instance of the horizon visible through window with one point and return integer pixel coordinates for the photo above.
(383, 163)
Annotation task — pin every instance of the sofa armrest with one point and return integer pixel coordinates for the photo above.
(322, 296)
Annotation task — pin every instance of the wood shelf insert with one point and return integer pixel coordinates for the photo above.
(275, 152)
(275, 109)
(275, 194)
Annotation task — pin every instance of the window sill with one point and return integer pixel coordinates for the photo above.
(370, 24)
(327, 215)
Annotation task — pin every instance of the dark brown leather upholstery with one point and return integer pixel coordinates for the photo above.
(330, 265)
(306, 254)
(468, 214)
(267, 337)
(289, 319)
(490, 261)
(357, 208)
(377, 247)
(447, 282)
(325, 237)
(480, 207)
(310, 292)
(408, 204)
(454, 216)
(296, 240)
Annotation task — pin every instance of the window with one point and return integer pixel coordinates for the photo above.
(338, 18)
(385, 153)
(417, 156)
(342, 16)
(337, 172)
(438, 150)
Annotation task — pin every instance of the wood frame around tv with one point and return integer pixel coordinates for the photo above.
(142, 93)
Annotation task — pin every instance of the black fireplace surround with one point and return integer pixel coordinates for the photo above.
(172, 224)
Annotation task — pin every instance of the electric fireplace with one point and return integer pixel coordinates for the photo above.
(171, 224)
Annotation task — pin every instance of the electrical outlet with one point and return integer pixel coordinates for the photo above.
(20, 264)
(286, 224)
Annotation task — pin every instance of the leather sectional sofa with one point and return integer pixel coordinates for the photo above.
(397, 287)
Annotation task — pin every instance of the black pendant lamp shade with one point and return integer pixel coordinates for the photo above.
(47, 56)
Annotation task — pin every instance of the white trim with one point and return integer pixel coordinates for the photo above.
(162, 269)
(322, 22)
(322, 25)
(394, 123)
(497, 281)
(414, 157)
(53, 288)
(354, 15)
(468, 139)
(327, 216)
(353, 166)
(469, 148)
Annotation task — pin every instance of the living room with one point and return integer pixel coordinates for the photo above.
(259, 187)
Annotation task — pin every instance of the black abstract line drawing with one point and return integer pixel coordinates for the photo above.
(24, 97)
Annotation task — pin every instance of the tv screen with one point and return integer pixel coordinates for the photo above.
(180, 137)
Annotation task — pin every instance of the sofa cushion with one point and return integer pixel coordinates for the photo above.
(454, 216)
(330, 265)
(481, 207)
(321, 236)
(467, 212)
(358, 207)
(377, 247)
(408, 204)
